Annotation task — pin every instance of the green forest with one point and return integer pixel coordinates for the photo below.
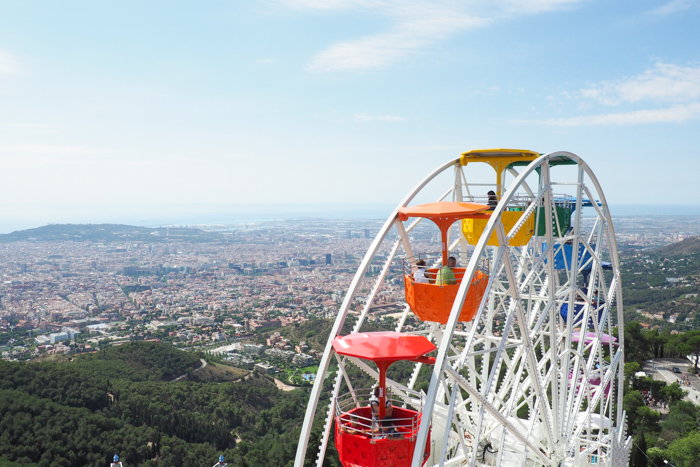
(82, 411)
(660, 435)
(121, 400)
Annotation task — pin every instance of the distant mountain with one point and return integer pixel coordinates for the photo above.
(684, 247)
(103, 233)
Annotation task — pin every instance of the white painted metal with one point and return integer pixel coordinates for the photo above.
(340, 320)
(516, 376)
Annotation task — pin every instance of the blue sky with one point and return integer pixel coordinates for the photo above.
(145, 111)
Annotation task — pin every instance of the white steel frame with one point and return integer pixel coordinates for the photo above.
(529, 389)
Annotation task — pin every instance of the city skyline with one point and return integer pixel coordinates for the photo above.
(87, 280)
(157, 113)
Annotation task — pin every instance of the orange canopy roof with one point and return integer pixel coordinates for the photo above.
(442, 210)
(444, 214)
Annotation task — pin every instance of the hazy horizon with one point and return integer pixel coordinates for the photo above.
(219, 215)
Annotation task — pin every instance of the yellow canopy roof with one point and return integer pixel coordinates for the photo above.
(502, 157)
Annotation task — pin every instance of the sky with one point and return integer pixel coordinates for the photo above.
(191, 112)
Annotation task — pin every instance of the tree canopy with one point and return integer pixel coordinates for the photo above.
(122, 400)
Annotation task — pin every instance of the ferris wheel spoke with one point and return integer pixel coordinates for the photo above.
(534, 369)
(517, 431)
(527, 342)
(449, 418)
(609, 374)
(328, 423)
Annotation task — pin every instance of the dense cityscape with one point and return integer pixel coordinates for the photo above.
(72, 294)
(253, 301)
(190, 290)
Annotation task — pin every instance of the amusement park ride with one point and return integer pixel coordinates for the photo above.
(515, 378)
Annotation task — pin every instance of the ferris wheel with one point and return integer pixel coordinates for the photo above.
(522, 342)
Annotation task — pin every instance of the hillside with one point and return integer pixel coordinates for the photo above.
(105, 233)
(141, 361)
(685, 247)
(661, 286)
(80, 413)
(315, 332)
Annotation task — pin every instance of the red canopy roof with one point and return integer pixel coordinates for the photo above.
(383, 346)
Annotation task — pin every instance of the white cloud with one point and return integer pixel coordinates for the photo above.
(664, 82)
(49, 150)
(55, 158)
(521, 7)
(45, 157)
(670, 93)
(416, 24)
(384, 118)
(331, 5)
(236, 156)
(7, 63)
(32, 127)
(382, 50)
(675, 114)
(673, 7)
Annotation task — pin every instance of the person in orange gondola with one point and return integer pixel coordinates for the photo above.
(445, 275)
(419, 275)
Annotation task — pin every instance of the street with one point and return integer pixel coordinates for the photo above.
(664, 372)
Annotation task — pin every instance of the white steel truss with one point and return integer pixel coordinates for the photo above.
(523, 383)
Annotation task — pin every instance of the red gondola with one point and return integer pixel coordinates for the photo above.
(386, 435)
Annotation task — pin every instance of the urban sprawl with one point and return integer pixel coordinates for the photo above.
(73, 296)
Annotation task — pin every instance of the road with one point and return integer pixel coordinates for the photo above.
(204, 364)
(664, 372)
(283, 386)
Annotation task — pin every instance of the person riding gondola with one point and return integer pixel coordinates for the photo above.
(419, 275)
(493, 200)
(445, 275)
(383, 428)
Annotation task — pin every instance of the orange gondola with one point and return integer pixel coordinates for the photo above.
(433, 301)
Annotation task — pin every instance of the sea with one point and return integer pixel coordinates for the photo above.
(159, 216)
